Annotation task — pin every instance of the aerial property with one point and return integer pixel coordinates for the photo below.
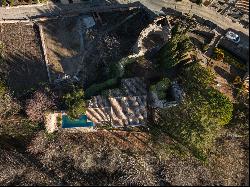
(114, 92)
(105, 43)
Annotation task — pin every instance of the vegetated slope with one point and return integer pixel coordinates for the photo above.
(111, 158)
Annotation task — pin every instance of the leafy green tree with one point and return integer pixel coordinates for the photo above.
(176, 48)
(198, 120)
(75, 103)
(197, 77)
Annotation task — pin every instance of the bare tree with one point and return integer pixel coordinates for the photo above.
(38, 105)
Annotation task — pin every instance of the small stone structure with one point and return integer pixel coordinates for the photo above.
(51, 121)
(153, 37)
(176, 92)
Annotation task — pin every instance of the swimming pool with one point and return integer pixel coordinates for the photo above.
(73, 123)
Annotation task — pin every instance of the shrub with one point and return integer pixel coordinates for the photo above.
(97, 88)
(8, 104)
(160, 88)
(205, 47)
(230, 59)
(1, 49)
(118, 69)
(59, 121)
(4, 3)
(75, 103)
(218, 54)
(12, 2)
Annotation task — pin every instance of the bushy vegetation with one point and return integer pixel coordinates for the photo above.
(160, 88)
(1, 49)
(205, 47)
(218, 54)
(75, 103)
(12, 2)
(4, 3)
(240, 121)
(8, 104)
(198, 120)
(95, 89)
(197, 77)
(117, 70)
(176, 48)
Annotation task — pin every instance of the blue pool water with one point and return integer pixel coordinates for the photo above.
(81, 122)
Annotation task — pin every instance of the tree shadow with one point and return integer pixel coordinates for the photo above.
(12, 144)
(25, 73)
(23, 67)
(223, 73)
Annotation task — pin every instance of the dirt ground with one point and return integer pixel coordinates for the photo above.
(25, 68)
(77, 51)
(224, 73)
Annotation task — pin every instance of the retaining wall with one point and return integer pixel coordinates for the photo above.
(44, 50)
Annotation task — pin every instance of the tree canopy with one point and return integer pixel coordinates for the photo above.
(175, 49)
(75, 103)
(197, 121)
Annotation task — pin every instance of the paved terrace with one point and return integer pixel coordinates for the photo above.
(51, 9)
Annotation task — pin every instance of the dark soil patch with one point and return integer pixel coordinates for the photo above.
(25, 68)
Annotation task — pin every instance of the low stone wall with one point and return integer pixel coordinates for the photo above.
(51, 121)
(44, 50)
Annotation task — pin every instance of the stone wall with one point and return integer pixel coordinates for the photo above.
(44, 50)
